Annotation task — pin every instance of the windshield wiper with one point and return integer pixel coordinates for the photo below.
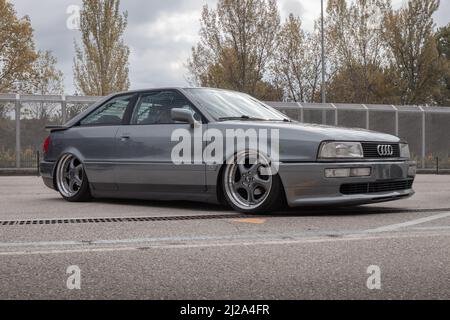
(244, 117)
(247, 118)
(283, 120)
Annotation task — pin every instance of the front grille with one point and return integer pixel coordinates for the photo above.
(373, 187)
(371, 150)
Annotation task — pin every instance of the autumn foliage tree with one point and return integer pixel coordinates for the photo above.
(237, 41)
(17, 52)
(101, 65)
(443, 46)
(381, 55)
(296, 66)
(375, 54)
(412, 45)
(45, 79)
(356, 50)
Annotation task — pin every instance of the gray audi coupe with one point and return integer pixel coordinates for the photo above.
(219, 146)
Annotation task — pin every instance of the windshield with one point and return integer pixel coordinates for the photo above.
(229, 105)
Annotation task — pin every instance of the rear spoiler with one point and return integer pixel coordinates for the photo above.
(56, 128)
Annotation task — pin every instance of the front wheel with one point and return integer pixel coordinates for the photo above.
(249, 185)
(71, 179)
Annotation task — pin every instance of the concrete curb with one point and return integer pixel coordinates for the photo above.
(19, 172)
(433, 171)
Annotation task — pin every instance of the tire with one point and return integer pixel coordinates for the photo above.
(71, 180)
(249, 191)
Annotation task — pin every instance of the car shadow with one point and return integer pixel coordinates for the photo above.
(179, 205)
(339, 211)
(213, 209)
(285, 212)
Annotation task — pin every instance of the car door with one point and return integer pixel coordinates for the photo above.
(145, 148)
(95, 139)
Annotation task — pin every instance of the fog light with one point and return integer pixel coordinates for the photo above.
(337, 173)
(360, 172)
(348, 172)
(412, 171)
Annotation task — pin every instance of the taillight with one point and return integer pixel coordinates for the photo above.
(46, 144)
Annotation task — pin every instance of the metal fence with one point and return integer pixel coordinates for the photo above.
(427, 129)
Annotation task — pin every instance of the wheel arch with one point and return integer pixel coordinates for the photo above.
(72, 151)
(219, 180)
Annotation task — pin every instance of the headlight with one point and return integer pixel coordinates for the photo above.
(404, 151)
(341, 150)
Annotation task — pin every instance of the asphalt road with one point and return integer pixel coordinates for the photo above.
(157, 250)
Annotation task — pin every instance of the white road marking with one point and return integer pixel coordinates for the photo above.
(48, 247)
(437, 228)
(397, 226)
(224, 244)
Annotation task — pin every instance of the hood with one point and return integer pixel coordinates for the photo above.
(317, 132)
(345, 134)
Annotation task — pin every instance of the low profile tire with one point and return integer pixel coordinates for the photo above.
(71, 179)
(249, 187)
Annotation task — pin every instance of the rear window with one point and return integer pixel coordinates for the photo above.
(110, 114)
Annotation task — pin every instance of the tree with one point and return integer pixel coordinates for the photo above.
(236, 45)
(443, 46)
(45, 79)
(412, 45)
(297, 65)
(356, 49)
(16, 48)
(101, 67)
(443, 41)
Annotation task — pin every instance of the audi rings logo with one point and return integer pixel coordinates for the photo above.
(385, 150)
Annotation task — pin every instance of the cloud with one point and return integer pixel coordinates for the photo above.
(159, 34)
(292, 6)
(160, 47)
(442, 16)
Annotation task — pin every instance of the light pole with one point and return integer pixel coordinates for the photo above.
(324, 98)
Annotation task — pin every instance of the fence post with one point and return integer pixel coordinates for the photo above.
(424, 137)
(336, 121)
(18, 147)
(367, 116)
(302, 115)
(437, 165)
(38, 162)
(63, 109)
(396, 120)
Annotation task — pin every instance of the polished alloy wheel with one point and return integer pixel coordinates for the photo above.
(69, 176)
(248, 181)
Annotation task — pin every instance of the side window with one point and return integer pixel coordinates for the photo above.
(156, 108)
(109, 114)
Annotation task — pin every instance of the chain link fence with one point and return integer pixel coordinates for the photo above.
(427, 129)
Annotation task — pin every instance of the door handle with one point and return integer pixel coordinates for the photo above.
(124, 138)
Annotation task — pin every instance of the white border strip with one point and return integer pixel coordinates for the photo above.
(397, 226)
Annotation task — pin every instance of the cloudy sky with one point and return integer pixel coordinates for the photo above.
(160, 34)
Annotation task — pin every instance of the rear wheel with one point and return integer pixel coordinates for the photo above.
(249, 185)
(71, 179)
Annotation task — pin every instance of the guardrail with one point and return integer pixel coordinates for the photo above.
(427, 129)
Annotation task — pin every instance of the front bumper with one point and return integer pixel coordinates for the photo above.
(305, 184)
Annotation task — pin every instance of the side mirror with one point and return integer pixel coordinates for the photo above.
(184, 115)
